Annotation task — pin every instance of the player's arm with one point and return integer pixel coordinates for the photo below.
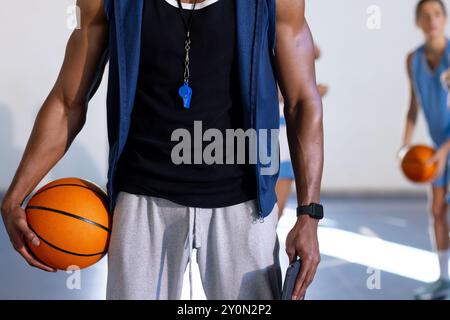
(441, 156)
(413, 110)
(58, 122)
(295, 57)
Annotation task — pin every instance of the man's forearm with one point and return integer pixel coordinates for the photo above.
(54, 130)
(305, 135)
(303, 106)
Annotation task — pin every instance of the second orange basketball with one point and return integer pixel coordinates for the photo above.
(415, 164)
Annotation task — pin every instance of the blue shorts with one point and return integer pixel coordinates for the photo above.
(442, 181)
(286, 171)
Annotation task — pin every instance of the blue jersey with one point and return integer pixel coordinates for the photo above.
(432, 94)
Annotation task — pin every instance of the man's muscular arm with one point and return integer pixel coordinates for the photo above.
(58, 122)
(303, 112)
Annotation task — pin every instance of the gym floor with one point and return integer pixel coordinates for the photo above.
(372, 248)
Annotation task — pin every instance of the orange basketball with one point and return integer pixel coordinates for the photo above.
(70, 217)
(414, 164)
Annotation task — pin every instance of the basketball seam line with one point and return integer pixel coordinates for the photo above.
(104, 197)
(66, 251)
(71, 216)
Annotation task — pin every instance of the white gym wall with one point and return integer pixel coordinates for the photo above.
(366, 72)
(33, 36)
(364, 68)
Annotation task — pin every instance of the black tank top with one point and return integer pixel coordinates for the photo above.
(145, 166)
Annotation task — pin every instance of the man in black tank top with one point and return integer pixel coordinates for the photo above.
(146, 166)
(192, 57)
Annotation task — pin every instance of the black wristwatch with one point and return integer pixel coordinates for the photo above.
(314, 210)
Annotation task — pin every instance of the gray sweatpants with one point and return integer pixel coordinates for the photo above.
(152, 240)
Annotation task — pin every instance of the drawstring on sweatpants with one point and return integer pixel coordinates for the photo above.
(190, 277)
(191, 245)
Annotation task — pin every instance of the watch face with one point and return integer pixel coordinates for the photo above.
(313, 210)
(318, 211)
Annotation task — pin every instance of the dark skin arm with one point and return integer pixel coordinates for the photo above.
(58, 122)
(295, 57)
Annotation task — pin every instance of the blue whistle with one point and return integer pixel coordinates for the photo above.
(186, 94)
